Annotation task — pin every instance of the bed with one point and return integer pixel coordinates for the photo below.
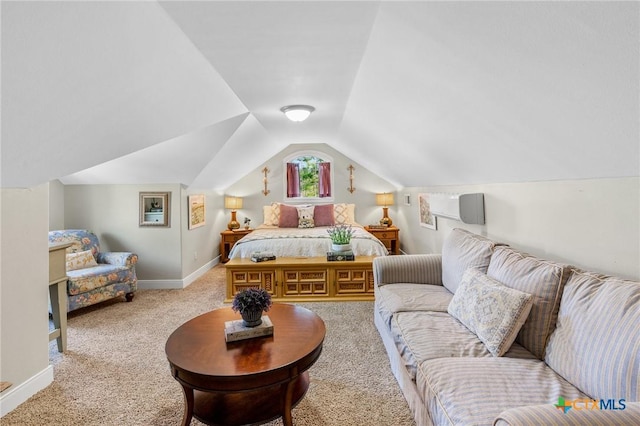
(301, 271)
(303, 242)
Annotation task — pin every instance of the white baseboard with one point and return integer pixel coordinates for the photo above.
(189, 279)
(14, 396)
(176, 284)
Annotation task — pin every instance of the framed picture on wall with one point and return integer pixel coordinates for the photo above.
(196, 211)
(154, 209)
(427, 219)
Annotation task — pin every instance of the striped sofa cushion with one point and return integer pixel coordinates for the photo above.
(542, 279)
(474, 391)
(391, 299)
(420, 336)
(549, 414)
(462, 250)
(596, 344)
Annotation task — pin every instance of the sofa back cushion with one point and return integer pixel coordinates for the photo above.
(596, 345)
(542, 279)
(463, 250)
(80, 239)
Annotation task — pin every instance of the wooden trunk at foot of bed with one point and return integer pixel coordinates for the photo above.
(301, 279)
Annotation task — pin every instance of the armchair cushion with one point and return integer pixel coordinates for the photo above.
(80, 260)
(83, 280)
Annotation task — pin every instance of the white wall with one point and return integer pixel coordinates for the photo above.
(112, 213)
(24, 280)
(366, 183)
(201, 245)
(592, 223)
(56, 205)
(165, 255)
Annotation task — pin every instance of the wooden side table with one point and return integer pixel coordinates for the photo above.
(228, 240)
(389, 237)
(58, 293)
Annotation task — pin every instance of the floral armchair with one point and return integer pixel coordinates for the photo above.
(95, 276)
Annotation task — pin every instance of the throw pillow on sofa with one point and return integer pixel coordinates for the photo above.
(80, 260)
(492, 311)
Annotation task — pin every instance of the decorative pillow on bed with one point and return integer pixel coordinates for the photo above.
(305, 217)
(323, 215)
(344, 213)
(490, 309)
(80, 260)
(288, 216)
(271, 214)
(267, 213)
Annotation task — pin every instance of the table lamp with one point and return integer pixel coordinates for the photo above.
(385, 199)
(233, 203)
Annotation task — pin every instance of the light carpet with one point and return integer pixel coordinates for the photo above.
(115, 371)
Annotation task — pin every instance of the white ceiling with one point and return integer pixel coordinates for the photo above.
(421, 93)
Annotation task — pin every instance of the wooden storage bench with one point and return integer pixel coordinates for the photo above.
(302, 279)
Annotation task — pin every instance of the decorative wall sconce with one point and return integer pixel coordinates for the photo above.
(351, 188)
(265, 191)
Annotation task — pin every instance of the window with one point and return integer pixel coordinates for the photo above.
(308, 176)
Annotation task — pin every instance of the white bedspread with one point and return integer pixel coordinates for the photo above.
(306, 242)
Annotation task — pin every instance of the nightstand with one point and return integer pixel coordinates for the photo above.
(227, 241)
(389, 237)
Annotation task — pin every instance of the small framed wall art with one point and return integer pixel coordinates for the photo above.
(196, 211)
(427, 219)
(154, 209)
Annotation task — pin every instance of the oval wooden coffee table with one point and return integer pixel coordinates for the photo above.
(249, 381)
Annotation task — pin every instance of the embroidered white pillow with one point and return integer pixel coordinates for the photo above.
(491, 310)
(80, 260)
(271, 214)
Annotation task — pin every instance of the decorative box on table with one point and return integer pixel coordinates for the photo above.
(235, 330)
(340, 255)
(261, 256)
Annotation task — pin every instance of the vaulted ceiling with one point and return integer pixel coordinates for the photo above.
(421, 93)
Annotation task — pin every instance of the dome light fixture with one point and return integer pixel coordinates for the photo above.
(297, 112)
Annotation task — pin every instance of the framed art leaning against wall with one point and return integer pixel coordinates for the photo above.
(154, 209)
(427, 219)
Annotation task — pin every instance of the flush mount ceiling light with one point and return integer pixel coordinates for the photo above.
(297, 112)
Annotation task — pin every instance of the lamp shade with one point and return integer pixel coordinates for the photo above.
(297, 112)
(233, 203)
(384, 199)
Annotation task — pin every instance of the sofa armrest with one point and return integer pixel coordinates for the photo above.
(549, 414)
(119, 258)
(411, 269)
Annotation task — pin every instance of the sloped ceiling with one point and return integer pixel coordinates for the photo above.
(422, 93)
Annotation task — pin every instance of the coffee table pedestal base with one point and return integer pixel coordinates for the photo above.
(249, 407)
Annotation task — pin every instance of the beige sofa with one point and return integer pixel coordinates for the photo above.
(550, 344)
